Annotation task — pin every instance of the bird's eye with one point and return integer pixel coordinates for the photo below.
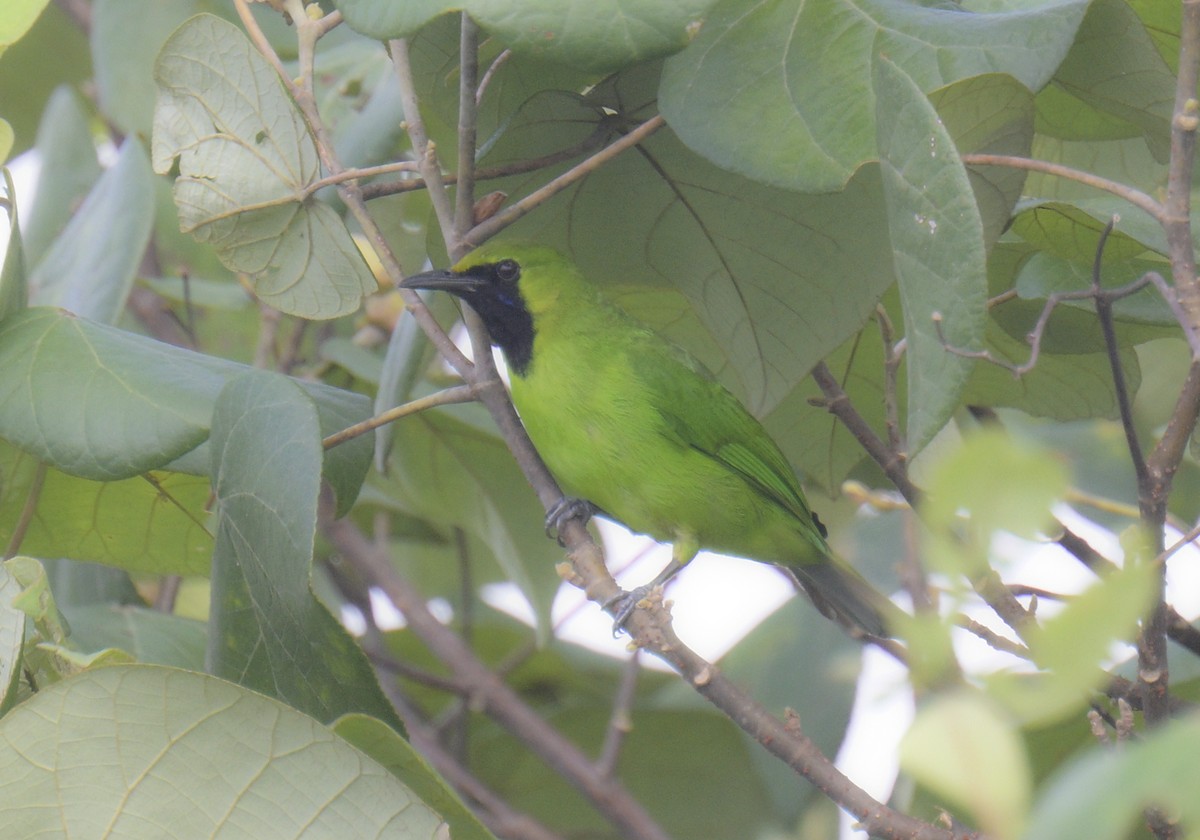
(508, 270)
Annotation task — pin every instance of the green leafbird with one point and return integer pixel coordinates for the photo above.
(631, 423)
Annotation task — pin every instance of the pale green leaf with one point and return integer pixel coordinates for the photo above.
(139, 751)
(938, 249)
(17, 18)
(154, 523)
(964, 749)
(89, 269)
(246, 161)
(782, 92)
(6, 139)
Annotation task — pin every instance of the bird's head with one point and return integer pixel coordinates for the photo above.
(510, 286)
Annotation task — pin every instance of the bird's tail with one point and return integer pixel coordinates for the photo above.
(845, 596)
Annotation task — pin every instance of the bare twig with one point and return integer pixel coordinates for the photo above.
(620, 722)
(1135, 197)
(457, 394)
(490, 227)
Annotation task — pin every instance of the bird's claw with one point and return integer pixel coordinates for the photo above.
(624, 605)
(564, 509)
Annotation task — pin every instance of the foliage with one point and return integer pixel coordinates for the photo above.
(943, 252)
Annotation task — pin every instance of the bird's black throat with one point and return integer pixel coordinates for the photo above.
(497, 298)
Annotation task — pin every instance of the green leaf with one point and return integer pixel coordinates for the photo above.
(6, 140)
(938, 249)
(267, 629)
(1103, 793)
(89, 269)
(104, 404)
(964, 749)
(153, 637)
(991, 114)
(69, 169)
(407, 765)
(780, 91)
(17, 18)
(12, 640)
(1114, 71)
(142, 750)
(246, 161)
(124, 65)
(599, 36)
(153, 523)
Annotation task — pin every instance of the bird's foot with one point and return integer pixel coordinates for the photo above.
(626, 603)
(564, 509)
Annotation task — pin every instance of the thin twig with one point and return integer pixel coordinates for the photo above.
(620, 722)
(464, 197)
(1135, 197)
(1104, 313)
(482, 231)
(449, 396)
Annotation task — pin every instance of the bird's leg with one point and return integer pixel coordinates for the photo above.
(682, 552)
(568, 508)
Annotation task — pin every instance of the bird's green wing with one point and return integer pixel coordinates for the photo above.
(703, 415)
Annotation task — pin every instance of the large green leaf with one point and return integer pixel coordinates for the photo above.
(590, 35)
(780, 90)
(245, 160)
(104, 404)
(16, 19)
(267, 629)
(89, 269)
(140, 751)
(938, 249)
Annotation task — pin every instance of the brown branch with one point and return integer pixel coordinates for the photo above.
(490, 227)
(457, 394)
(837, 403)
(488, 692)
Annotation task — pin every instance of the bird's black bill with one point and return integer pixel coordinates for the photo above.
(443, 279)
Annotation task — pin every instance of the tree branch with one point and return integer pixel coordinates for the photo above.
(487, 691)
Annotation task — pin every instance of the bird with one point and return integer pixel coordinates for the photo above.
(636, 428)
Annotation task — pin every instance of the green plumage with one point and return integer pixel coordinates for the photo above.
(630, 422)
